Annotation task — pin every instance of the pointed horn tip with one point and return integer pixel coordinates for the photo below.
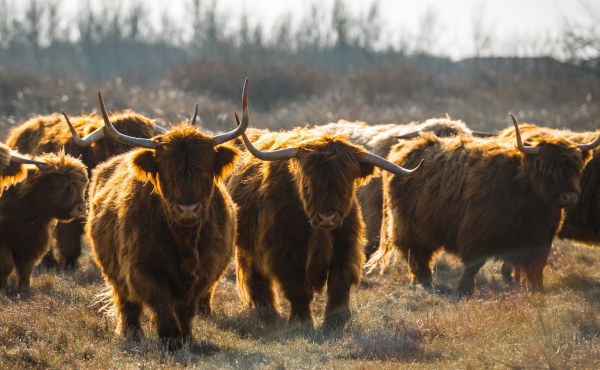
(237, 118)
(245, 95)
(418, 168)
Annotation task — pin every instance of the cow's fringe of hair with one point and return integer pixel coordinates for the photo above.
(105, 299)
(241, 286)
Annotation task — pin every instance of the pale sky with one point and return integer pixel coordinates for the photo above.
(513, 23)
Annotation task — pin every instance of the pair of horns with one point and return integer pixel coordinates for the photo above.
(535, 150)
(150, 144)
(18, 159)
(414, 134)
(289, 153)
(99, 133)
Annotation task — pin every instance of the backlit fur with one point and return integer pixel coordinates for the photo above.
(10, 172)
(276, 242)
(50, 134)
(149, 259)
(477, 199)
(378, 139)
(30, 209)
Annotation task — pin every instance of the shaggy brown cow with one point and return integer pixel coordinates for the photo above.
(299, 220)
(478, 199)
(378, 139)
(11, 167)
(162, 226)
(29, 211)
(50, 134)
(582, 221)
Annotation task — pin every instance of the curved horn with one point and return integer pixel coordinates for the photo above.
(86, 141)
(389, 166)
(193, 121)
(267, 156)
(159, 129)
(482, 134)
(410, 135)
(220, 139)
(17, 159)
(591, 146)
(133, 141)
(522, 148)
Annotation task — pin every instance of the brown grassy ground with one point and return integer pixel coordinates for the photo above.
(55, 325)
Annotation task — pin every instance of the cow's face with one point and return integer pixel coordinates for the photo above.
(183, 169)
(326, 176)
(60, 186)
(555, 172)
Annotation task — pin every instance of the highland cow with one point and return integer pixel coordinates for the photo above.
(162, 225)
(50, 134)
(582, 220)
(479, 199)
(299, 220)
(29, 210)
(378, 139)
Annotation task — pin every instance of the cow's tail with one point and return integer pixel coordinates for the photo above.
(240, 277)
(381, 258)
(105, 301)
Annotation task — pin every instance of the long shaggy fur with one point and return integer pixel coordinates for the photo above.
(276, 242)
(379, 139)
(29, 211)
(477, 199)
(146, 256)
(50, 134)
(582, 220)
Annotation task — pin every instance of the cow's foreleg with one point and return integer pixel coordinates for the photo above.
(466, 281)
(344, 273)
(23, 271)
(129, 316)
(6, 265)
(157, 296)
(185, 314)
(68, 243)
(254, 286)
(205, 303)
(533, 266)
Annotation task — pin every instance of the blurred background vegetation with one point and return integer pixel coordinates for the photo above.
(321, 67)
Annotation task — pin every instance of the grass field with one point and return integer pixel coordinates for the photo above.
(57, 325)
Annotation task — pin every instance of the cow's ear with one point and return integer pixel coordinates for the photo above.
(366, 170)
(587, 155)
(12, 174)
(144, 165)
(225, 161)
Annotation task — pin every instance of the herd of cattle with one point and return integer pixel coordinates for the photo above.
(304, 209)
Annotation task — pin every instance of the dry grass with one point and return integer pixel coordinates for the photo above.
(55, 326)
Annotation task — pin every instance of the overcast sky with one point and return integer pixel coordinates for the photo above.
(511, 22)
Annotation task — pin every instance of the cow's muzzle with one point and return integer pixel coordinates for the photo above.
(326, 220)
(567, 199)
(79, 210)
(186, 212)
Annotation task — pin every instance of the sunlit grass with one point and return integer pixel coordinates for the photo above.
(55, 325)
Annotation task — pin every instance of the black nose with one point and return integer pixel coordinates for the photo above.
(568, 199)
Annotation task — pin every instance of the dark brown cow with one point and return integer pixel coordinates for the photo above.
(479, 199)
(29, 211)
(50, 134)
(379, 139)
(299, 220)
(582, 221)
(162, 226)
